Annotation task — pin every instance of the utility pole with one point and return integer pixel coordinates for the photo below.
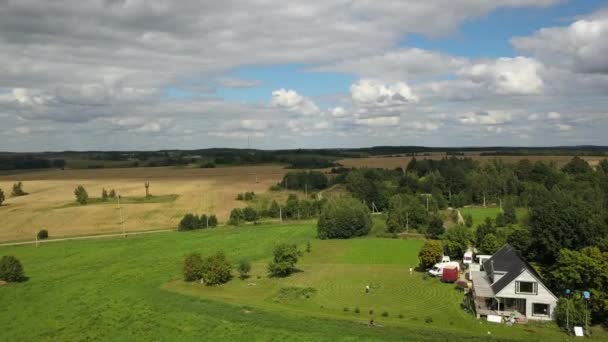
(122, 222)
(407, 221)
(36, 240)
(280, 214)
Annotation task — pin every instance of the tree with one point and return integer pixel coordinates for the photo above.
(308, 247)
(405, 211)
(42, 234)
(250, 214)
(243, 267)
(570, 312)
(343, 218)
(500, 220)
(112, 193)
(577, 166)
(216, 269)
(292, 207)
(510, 216)
(188, 222)
(212, 221)
(274, 210)
(193, 267)
(468, 220)
(430, 253)
(519, 238)
(456, 241)
(82, 197)
(236, 217)
(489, 244)
(11, 269)
(487, 227)
(104, 195)
(435, 229)
(284, 260)
(1, 197)
(584, 270)
(18, 190)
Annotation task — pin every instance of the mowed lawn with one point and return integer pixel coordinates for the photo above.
(131, 289)
(480, 214)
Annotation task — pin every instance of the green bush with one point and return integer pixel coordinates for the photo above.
(243, 267)
(82, 197)
(284, 261)
(11, 269)
(357, 310)
(43, 234)
(343, 218)
(250, 214)
(212, 221)
(385, 314)
(216, 269)
(430, 253)
(236, 217)
(188, 222)
(104, 194)
(193, 267)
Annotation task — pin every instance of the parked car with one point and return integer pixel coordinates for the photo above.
(467, 259)
(437, 270)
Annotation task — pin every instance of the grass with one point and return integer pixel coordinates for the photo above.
(131, 289)
(480, 214)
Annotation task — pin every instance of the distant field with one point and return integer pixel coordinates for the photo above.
(51, 202)
(131, 289)
(391, 162)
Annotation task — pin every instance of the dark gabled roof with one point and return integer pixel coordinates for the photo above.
(508, 261)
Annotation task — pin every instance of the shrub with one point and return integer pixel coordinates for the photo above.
(385, 314)
(371, 312)
(82, 197)
(400, 316)
(216, 269)
(308, 247)
(430, 253)
(236, 217)
(275, 210)
(11, 269)
(343, 218)
(573, 308)
(212, 221)
(1, 196)
(243, 267)
(250, 214)
(428, 320)
(357, 310)
(112, 193)
(468, 220)
(18, 190)
(240, 197)
(345, 309)
(188, 222)
(202, 221)
(284, 261)
(43, 234)
(435, 228)
(276, 187)
(104, 194)
(193, 267)
(489, 244)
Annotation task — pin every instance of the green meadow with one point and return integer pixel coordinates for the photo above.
(131, 289)
(480, 214)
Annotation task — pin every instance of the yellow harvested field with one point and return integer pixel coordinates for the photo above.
(391, 162)
(50, 193)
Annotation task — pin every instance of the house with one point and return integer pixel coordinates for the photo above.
(508, 286)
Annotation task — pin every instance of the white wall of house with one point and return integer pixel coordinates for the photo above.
(542, 296)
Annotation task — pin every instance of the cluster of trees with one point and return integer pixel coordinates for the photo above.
(105, 195)
(343, 218)
(212, 270)
(283, 263)
(294, 208)
(304, 180)
(11, 269)
(22, 162)
(565, 233)
(193, 222)
(245, 196)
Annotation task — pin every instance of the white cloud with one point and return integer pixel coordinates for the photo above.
(423, 126)
(338, 112)
(253, 124)
(292, 101)
(563, 127)
(380, 121)
(507, 76)
(485, 118)
(581, 46)
(23, 130)
(230, 82)
(367, 91)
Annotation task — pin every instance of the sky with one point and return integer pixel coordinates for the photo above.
(162, 74)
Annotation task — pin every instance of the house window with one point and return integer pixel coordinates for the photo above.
(539, 309)
(526, 287)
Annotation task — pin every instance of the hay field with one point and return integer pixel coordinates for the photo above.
(391, 162)
(51, 192)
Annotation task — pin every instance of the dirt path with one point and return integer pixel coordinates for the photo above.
(84, 237)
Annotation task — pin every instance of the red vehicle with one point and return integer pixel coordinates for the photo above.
(450, 274)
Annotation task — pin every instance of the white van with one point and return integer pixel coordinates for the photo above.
(437, 270)
(467, 259)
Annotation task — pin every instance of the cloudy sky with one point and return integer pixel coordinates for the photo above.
(160, 74)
